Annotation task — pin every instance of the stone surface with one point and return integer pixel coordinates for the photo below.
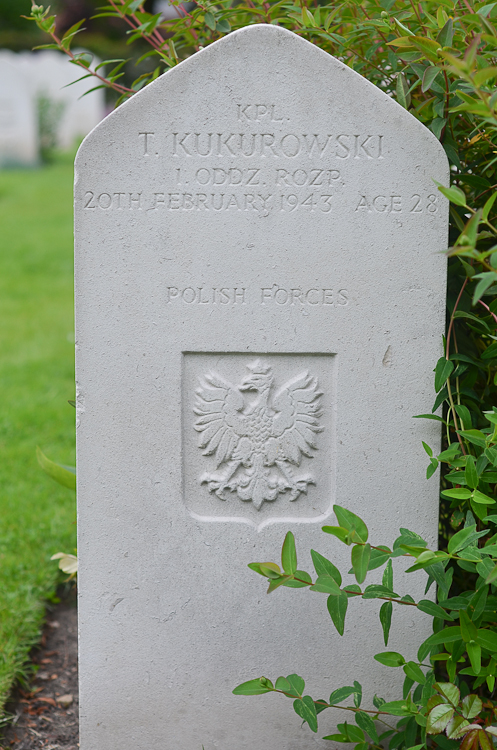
(258, 272)
(18, 127)
(50, 74)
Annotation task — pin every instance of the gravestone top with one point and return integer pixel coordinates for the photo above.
(18, 128)
(260, 299)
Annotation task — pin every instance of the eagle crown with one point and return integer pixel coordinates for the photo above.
(260, 379)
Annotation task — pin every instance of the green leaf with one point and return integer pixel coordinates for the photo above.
(337, 531)
(357, 694)
(470, 473)
(454, 194)
(297, 685)
(377, 591)
(402, 91)
(268, 569)
(438, 718)
(390, 659)
(337, 607)
(323, 566)
(485, 281)
(366, 723)
(64, 475)
(474, 436)
(432, 609)
(340, 694)
(293, 584)
(456, 726)
(283, 684)
(471, 706)
(463, 538)
(414, 672)
(463, 413)
(223, 26)
(387, 579)
(252, 687)
(306, 709)
(446, 34)
(351, 522)
(210, 21)
(378, 557)
(360, 560)
(386, 619)
(326, 585)
(427, 448)
(276, 583)
(481, 499)
(470, 316)
(459, 493)
(474, 653)
(447, 635)
(487, 639)
(429, 416)
(428, 77)
(488, 207)
(484, 75)
(443, 371)
(492, 576)
(289, 554)
(448, 691)
(396, 708)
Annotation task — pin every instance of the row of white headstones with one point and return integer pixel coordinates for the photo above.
(29, 80)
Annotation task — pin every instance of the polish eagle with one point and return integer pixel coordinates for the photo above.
(255, 442)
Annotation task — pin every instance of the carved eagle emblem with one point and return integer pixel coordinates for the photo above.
(256, 434)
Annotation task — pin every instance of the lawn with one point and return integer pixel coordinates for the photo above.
(37, 516)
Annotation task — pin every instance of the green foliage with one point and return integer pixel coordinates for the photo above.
(37, 516)
(467, 649)
(64, 475)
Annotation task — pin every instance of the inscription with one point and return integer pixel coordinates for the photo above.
(207, 295)
(262, 202)
(273, 295)
(396, 204)
(257, 113)
(266, 145)
(255, 442)
(271, 145)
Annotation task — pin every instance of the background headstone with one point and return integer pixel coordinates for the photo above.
(18, 130)
(48, 74)
(259, 302)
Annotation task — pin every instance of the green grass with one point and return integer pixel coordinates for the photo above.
(37, 516)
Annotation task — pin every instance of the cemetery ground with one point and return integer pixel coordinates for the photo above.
(37, 516)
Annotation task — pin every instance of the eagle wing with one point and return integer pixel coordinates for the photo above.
(295, 424)
(220, 423)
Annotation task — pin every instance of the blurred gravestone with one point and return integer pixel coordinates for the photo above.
(50, 78)
(18, 129)
(260, 303)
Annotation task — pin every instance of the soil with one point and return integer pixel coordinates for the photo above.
(46, 713)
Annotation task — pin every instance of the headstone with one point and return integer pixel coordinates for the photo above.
(260, 303)
(50, 75)
(18, 131)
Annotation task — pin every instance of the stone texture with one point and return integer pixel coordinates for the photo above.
(18, 127)
(49, 73)
(258, 244)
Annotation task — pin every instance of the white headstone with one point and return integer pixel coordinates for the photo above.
(18, 127)
(259, 303)
(49, 74)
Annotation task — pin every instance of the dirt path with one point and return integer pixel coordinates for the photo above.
(47, 716)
